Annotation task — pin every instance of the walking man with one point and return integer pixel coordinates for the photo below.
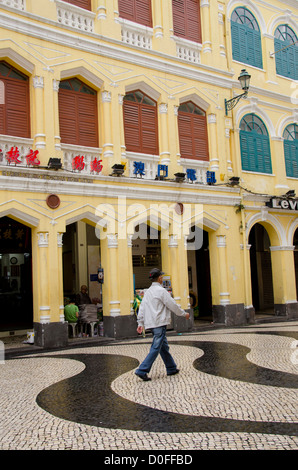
(155, 314)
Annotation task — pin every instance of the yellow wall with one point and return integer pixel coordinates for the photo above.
(36, 43)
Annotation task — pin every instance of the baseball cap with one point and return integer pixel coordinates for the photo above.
(155, 272)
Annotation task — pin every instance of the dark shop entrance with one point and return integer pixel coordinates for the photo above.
(16, 297)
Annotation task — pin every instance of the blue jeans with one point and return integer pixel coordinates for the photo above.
(159, 346)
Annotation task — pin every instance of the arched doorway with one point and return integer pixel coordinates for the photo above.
(261, 271)
(199, 277)
(16, 297)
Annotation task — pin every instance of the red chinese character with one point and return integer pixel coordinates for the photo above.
(78, 163)
(32, 159)
(12, 155)
(96, 165)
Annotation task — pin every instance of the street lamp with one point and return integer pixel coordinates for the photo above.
(244, 79)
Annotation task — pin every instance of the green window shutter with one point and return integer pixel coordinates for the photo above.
(255, 152)
(286, 52)
(291, 158)
(246, 44)
(285, 58)
(238, 41)
(254, 48)
(263, 156)
(247, 158)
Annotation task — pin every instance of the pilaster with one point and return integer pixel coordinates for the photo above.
(50, 330)
(284, 281)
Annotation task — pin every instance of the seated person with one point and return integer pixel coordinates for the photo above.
(82, 297)
(71, 312)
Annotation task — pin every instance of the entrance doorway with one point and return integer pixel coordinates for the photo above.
(16, 296)
(81, 260)
(261, 270)
(199, 280)
(146, 254)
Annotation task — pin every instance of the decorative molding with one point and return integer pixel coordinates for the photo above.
(173, 241)
(106, 96)
(221, 241)
(112, 240)
(60, 239)
(43, 239)
(38, 82)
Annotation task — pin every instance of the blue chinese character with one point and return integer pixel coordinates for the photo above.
(162, 169)
(210, 176)
(191, 174)
(139, 168)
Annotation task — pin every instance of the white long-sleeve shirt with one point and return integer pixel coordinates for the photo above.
(156, 307)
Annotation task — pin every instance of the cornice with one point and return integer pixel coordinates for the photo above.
(131, 188)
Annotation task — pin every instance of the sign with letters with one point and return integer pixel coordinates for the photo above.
(282, 203)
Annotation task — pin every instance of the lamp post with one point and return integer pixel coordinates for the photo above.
(244, 79)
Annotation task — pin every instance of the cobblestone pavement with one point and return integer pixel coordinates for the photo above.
(237, 389)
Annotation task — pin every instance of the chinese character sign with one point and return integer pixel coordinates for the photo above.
(96, 165)
(191, 174)
(139, 168)
(78, 163)
(162, 170)
(210, 177)
(13, 155)
(32, 159)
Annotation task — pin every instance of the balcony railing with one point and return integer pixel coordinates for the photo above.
(73, 161)
(75, 17)
(188, 50)
(135, 34)
(22, 146)
(17, 4)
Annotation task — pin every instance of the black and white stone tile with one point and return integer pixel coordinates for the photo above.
(237, 389)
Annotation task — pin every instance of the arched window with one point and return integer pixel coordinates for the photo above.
(254, 145)
(290, 136)
(14, 106)
(140, 123)
(246, 38)
(78, 113)
(86, 4)
(186, 19)
(193, 137)
(286, 52)
(138, 11)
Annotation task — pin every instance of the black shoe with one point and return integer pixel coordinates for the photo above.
(173, 373)
(143, 377)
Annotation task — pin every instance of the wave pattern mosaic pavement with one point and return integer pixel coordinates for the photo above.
(237, 389)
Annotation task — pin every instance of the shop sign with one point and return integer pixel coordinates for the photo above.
(13, 155)
(14, 236)
(139, 168)
(286, 204)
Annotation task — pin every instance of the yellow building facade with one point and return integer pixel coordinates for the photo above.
(119, 152)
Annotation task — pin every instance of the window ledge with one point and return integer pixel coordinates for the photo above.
(257, 173)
